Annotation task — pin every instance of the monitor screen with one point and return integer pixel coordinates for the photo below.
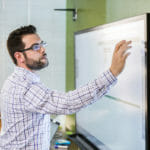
(118, 120)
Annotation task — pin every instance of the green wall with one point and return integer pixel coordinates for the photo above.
(119, 9)
(92, 13)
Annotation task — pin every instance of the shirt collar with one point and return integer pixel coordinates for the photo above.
(27, 74)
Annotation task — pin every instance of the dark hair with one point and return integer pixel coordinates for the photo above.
(14, 42)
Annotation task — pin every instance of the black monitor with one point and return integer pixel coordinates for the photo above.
(119, 120)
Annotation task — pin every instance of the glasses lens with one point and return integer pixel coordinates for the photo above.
(44, 44)
(36, 47)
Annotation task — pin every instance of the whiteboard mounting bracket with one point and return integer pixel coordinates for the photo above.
(73, 10)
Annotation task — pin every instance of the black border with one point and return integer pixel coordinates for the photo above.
(146, 17)
(148, 84)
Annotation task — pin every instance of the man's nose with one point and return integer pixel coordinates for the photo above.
(42, 49)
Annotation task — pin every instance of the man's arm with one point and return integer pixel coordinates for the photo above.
(42, 100)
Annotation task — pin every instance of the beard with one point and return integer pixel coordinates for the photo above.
(36, 64)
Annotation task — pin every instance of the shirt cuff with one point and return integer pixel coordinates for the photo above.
(114, 78)
(107, 79)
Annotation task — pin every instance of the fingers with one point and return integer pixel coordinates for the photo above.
(122, 43)
(119, 45)
(124, 47)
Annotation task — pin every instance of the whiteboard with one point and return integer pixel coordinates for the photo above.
(118, 119)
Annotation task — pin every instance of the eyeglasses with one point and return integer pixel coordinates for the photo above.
(35, 46)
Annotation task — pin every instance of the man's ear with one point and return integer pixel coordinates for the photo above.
(19, 57)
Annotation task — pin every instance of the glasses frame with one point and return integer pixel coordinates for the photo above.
(41, 44)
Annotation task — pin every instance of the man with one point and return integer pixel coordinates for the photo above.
(27, 103)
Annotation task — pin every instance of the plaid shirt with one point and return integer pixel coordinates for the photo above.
(27, 105)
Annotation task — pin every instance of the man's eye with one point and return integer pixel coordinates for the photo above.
(36, 47)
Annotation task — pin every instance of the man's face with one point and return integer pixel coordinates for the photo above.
(34, 60)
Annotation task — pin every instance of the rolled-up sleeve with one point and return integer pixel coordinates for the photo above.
(40, 99)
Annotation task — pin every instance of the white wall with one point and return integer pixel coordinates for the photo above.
(51, 26)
